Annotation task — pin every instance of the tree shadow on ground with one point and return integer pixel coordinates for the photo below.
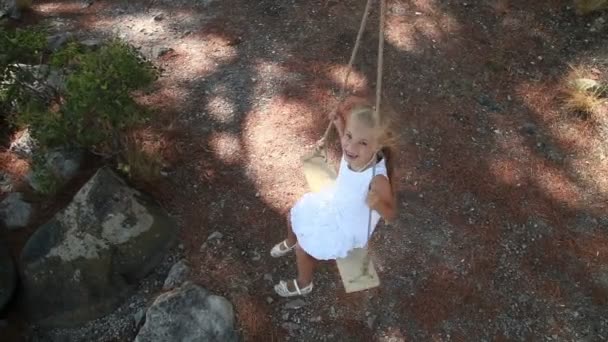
(496, 234)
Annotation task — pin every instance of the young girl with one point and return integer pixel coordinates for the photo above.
(326, 225)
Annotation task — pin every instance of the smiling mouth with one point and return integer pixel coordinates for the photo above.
(351, 155)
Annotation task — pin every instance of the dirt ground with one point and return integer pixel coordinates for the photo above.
(503, 227)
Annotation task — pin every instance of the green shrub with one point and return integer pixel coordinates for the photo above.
(18, 49)
(97, 103)
(45, 180)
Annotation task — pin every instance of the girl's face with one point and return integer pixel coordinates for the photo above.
(359, 143)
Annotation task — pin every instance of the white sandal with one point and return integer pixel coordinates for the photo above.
(282, 290)
(281, 249)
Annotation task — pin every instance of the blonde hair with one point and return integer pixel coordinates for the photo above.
(386, 137)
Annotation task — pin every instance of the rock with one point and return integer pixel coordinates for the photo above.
(57, 41)
(529, 128)
(154, 52)
(139, 316)
(14, 212)
(585, 84)
(177, 275)
(598, 25)
(91, 43)
(215, 235)
(24, 145)
(189, 313)
(56, 80)
(489, 103)
(159, 17)
(269, 300)
(371, 321)
(158, 52)
(290, 326)
(8, 276)
(83, 262)
(268, 277)
(295, 304)
(87, 3)
(315, 319)
(65, 163)
(6, 184)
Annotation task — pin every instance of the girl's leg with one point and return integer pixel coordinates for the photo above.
(291, 236)
(306, 266)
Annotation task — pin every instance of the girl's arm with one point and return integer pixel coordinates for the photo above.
(381, 199)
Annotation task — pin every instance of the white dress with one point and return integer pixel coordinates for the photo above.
(329, 223)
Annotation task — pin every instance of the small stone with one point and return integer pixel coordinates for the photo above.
(180, 246)
(295, 304)
(24, 145)
(177, 275)
(91, 43)
(6, 184)
(87, 3)
(161, 51)
(370, 322)
(215, 235)
(529, 128)
(256, 256)
(285, 316)
(269, 300)
(290, 326)
(139, 316)
(315, 319)
(14, 212)
(332, 312)
(268, 277)
(57, 41)
(159, 17)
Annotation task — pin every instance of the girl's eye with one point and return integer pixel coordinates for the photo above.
(364, 143)
(349, 136)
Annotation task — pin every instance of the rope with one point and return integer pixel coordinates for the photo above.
(342, 93)
(366, 259)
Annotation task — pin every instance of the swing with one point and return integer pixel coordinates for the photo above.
(356, 269)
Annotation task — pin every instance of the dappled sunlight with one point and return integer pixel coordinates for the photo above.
(199, 54)
(573, 136)
(555, 185)
(203, 54)
(274, 149)
(406, 26)
(357, 81)
(220, 109)
(227, 147)
(58, 6)
(506, 171)
(271, 79)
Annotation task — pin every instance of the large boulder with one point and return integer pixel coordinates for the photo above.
(14, 211)
(189, 313)
(83, 262)
(8, 276)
